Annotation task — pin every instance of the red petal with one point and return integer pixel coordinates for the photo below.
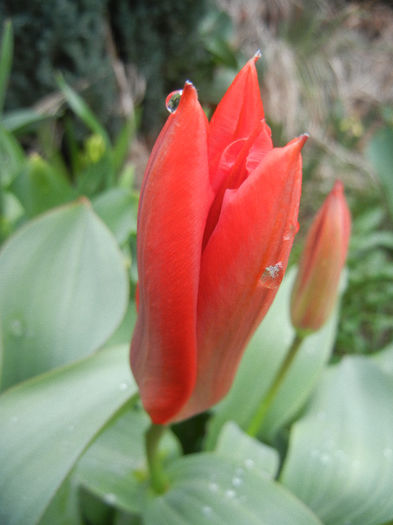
(236, 115)
(255, 232)
(238, 160)
(172, 216)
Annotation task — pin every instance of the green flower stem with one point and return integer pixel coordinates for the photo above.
(259, 416)
(158, 478)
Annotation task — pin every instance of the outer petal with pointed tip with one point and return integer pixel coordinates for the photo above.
(175, 200)
(242, 266)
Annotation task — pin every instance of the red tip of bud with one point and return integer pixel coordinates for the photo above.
(315, 289)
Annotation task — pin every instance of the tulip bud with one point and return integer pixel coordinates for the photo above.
(315, 289)
(215, 228)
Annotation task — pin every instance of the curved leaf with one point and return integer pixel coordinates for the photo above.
(340, 459)
(63, 291)
(47, 422)
(114, 467)
(233, 443)
(208, 489)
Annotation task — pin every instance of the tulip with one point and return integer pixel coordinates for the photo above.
(315, 289)
(216, 221)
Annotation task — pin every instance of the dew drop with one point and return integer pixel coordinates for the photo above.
(172, 100)
(123, 386)
(249, 463)
(230, 494)
(291, 231)
(340, 455)
(325, 459)
(110, 498)
(388, 453)
(272, 275)
(213, 487)
(16, 327)
(206, 510)
(236, 482)
(14, 419)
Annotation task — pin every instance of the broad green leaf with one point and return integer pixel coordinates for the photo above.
(123, 333)
(235, 444)
(118, 207)
(384, 359)
(47, 422)
(261, 362)
(114, 466)
(205, 488)
(40, 187)
(6, 50)
(380, 154)
(340, 459)
(81, 109)
(64, 508)
(63, 291)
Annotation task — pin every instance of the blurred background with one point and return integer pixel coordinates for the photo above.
(82, 98)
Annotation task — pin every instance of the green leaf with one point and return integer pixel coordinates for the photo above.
(122, 143)
(260, 364)
(340, 459)
(20, 120)
(64, 508)
(63, 291)
(114, 466)
(118, 207)
(40, 187)
(208, 489)
(47, 422)
(12, 157)
(384, 359)
(235, 444)
(82, 110)
(6, 51)
(380, 154)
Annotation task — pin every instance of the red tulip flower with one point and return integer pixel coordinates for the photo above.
(315, 289)
(217, 216)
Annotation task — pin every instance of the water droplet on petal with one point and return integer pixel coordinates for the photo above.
(272, 276)
(123, 386)
(230, 494)
(292, 230)
(14, 419)
(172, 100)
